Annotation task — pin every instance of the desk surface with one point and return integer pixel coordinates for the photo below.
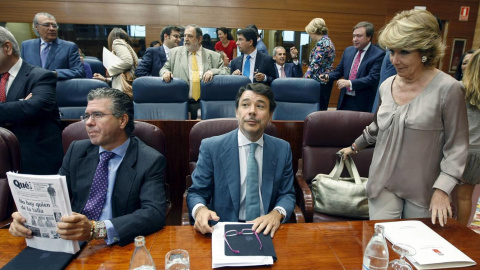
(330, 245)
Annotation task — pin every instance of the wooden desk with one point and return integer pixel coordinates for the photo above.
(332, 245)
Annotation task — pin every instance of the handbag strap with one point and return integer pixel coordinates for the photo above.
(352, 170)
(135, 62)
(337, 170)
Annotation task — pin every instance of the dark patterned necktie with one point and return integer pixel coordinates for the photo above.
(3, 87)
(44, 54)
(98, 191)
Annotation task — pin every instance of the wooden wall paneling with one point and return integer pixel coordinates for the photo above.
(367, 7)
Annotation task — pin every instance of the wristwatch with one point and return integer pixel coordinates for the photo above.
(280, 212)
(100, 231)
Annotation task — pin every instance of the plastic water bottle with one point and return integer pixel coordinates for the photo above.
(141, 258)
(376, 253)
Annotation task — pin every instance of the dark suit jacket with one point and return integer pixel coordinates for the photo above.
(36, 121)
(368, 74)
(138, 199)
(387, 70)
(62, 58)
(263, 63)
(152, 62)
(216, 179)
(291, 70)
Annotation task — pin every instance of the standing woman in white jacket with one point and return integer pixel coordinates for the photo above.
(121, 45)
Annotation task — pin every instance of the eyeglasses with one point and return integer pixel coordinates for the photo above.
(242, 232)
(176, 36)
(94, 116)
(53, 25)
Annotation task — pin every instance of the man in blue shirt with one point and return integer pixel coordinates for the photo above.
(115, 181)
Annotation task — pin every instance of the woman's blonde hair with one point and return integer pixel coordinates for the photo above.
(471, 80)
(317, 26)
(118, 33)
(412, 30)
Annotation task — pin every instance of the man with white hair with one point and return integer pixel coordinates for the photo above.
(50, 52)
(28, 108)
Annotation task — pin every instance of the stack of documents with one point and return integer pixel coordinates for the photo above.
(219, 259)
(432, 250)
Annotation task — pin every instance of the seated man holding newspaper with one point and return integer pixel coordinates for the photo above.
(115, 181)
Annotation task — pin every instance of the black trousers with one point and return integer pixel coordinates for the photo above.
(193, 107)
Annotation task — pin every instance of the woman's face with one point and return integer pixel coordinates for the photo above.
(465, 61)
(407, 63)
(221, 35)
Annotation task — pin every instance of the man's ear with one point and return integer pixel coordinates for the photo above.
(123, 121)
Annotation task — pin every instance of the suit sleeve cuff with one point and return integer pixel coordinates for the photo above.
(112, 235)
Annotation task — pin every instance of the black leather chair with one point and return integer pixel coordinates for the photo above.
(209, 128)
(217, 97)
(72, 96)
(148, 133)
(10, 160)
(155, 99)
(295, 98)
(324, 134)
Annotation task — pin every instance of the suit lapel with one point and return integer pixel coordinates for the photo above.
(206, 60)
(35, 55)
(184, 62)
(85, 173)
(15, 92)
(126, 176)
(56, 46)
(268, 171)
(231, 168)
(349, 62)
(364, 62)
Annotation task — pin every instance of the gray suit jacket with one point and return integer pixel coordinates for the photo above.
(138, 199)
(178, 63)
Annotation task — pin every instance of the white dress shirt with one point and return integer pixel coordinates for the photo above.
(13, 74)
(167, 51)
(253, 56)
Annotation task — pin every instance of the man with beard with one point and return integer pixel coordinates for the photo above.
(193, 63)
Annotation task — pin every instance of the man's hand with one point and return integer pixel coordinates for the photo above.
(267, 223)
(74, 227)
(294, 52)
(28, 97)
(207, 76)
(237, 72)
(17, 228)
(324, 78)
(167, 76)
(343, 83)
(259, 76)
(440, 206)
(202, 217)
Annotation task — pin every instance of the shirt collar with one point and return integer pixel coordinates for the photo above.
(198, 52)
(166, 49)
(242, 140)
(43, 42)
(15, 68)
(252, 55)
(366, 47)
(120, 151)
(279, 67)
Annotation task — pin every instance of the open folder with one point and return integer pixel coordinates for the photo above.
(250, 254)
(432, 250)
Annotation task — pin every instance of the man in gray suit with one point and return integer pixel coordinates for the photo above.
(191, 63)
(115, 181)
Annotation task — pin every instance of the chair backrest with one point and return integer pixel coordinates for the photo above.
(72, 96)
(95, 64)
(214, 127)
(217, 97)
(295, 98)
(10, 160)
(325, 133)
(155, 99)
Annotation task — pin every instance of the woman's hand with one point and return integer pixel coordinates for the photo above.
(347, 151)
(440, 206)
(98, 76)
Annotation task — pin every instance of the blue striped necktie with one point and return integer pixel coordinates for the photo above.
(246, 67)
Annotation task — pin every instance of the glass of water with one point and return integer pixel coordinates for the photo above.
(177, 259)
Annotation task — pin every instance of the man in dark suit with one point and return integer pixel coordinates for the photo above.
(50, 52)
(155, 57)
(360, 69)
(260, 68)
(115, 181)
(28, 108)
(283, 69)
(244, 174)
(261, 47)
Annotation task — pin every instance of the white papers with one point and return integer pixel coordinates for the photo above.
(109, 59)
(432, 250)
(42, 200)
(218, 251)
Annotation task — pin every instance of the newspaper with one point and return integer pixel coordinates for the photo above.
(42, 200)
